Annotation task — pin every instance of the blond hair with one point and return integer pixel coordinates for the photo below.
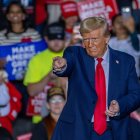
(93, 23)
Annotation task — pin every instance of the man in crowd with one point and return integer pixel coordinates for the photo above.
(39, 69)
(103, 87)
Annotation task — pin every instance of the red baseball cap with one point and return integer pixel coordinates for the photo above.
(68, 9)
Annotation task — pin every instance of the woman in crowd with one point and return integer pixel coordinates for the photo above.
(55, 103)
(126, 38)
(18, 28)
(19, 31)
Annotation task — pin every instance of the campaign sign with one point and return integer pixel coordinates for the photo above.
(36, 104)
(18, 55)
(103, 8)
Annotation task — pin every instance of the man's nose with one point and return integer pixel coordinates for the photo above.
(91, 43)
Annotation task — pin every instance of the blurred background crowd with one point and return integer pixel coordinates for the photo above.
(32, 33)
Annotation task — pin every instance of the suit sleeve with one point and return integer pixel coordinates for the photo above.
(131, 101)
(69, 56)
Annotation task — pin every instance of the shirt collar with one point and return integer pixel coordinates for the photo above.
(105, 56)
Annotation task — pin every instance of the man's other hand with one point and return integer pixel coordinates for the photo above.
(113, 109)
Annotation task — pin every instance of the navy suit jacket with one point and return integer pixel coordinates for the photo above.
(75, 120)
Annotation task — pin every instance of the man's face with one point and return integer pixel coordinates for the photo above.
(56, 45)
(95, 42)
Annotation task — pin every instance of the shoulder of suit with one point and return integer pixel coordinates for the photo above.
(121, 54)
(74, 49)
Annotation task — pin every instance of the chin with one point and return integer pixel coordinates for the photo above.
(92, 54)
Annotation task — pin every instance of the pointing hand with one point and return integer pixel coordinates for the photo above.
(59, 63)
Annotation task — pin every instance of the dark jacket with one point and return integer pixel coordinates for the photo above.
(75, 120)
(44, 129)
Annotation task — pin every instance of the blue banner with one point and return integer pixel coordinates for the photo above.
(18, 55)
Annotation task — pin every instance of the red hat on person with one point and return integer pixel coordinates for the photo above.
(68, 9)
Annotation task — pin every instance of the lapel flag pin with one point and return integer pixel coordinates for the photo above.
(117, 61)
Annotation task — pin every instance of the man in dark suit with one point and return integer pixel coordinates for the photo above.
(103, 87)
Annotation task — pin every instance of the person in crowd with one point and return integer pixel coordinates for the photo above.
(70, 17)
(40, 66)
(18, 28)
(103, 87)
(10, 102)
(55, 102)
(76, 38)
(126, 38)
(18, 31)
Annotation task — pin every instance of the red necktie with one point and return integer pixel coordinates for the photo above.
(100, 124)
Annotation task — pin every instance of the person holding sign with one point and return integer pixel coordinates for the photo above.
(103, 87)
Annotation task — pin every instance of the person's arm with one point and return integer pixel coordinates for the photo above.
(63, 67)
(35, 88)
(130, 25)
(32, 78)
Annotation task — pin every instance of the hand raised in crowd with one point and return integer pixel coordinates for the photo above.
(129, 24)
(59, 63)
(113, 109)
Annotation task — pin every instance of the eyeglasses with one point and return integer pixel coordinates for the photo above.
(92, 40)
(54, 101)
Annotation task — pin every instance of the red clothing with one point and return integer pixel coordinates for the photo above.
(40, 12)
(15, 107)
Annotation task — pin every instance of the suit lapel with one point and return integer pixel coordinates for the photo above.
(89, 64)
(114, 71)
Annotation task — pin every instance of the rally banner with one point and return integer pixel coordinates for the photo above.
(37, 104)
(103, 8)
(18, 55)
